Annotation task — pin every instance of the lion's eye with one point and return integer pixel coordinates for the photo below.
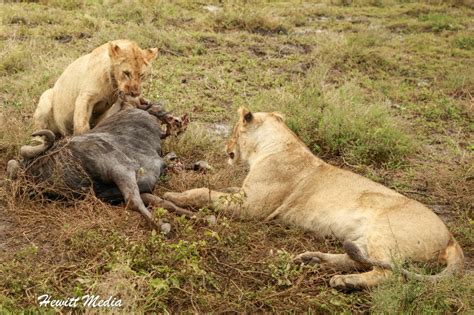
(127, 74)
(142, 76)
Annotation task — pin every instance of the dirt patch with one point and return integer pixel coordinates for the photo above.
(66, 38)
(18, 20)
(304, 30)
(63, 38)
(291, 49)
(258, 50)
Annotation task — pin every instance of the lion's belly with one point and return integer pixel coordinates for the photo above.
(344, 224)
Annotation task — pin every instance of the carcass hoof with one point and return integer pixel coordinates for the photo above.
(170, 157)
(211, 220)
(13, 167)
(165, 228)
(199, 166)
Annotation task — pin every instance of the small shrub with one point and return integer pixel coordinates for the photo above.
(363, 133)
(282, 269)
(459, 82)
(464, 42)
(15, 60)
(251, 21)
(437, 22)
(441, 108)
(7, 306)
(127, 12)
(368, 39)
(361, 55)
(339, 121)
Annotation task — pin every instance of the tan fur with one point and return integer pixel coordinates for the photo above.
(379, 227)
(90, 86)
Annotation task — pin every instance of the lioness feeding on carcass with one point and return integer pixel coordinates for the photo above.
(90, 86)
(378, 226)
(119, 159)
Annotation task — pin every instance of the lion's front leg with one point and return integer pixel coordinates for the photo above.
(196, 198)
(82, 112)
(203, 197)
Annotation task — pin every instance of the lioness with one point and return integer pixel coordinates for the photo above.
(378, 226)
(90, 86)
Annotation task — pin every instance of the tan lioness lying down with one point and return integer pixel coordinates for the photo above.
(90, 86)
(378, 226)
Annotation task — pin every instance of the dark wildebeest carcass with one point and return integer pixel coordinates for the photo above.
(120, 159)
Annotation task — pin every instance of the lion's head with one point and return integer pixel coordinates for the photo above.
(248, 134)
(129, 66)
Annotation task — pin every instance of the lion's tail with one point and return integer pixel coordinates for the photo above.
(452, 254)
(454, 258)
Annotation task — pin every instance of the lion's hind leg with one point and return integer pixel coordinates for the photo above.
(359, 281)
(13, 167)
(355, 259)
(336, 262)
(43, 116)
(381, 270)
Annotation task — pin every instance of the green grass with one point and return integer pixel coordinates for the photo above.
(414, 297)
(437, 22)
(342, 122)
(14, 61)
(465, 42)
(249, 20)
(381, 87)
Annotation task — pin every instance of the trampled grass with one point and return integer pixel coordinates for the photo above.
(384, 88)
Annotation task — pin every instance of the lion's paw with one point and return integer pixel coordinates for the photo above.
(308, 258)
(171, 196)
(342, 283)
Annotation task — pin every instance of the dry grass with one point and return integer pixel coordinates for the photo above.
(379, 87)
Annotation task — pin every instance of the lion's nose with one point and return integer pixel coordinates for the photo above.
(134, 93)
(231, 155)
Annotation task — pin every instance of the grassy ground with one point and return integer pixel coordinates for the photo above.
(379, 87)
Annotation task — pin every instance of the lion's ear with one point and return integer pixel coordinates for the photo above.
(150, 54)
(245, 115)
(279, 116)
(114, 51)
